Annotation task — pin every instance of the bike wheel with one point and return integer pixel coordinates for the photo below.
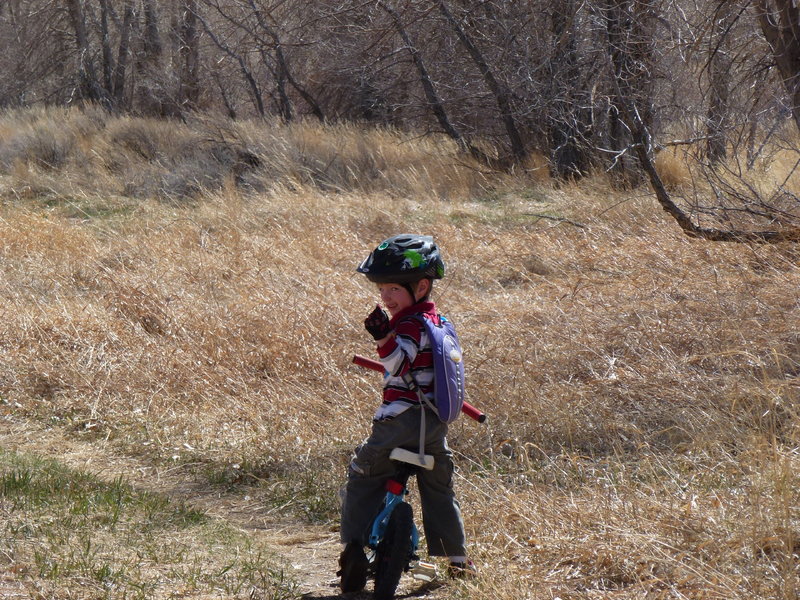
(393, 552)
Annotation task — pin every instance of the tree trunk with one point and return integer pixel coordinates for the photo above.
(501, 93)
(283, 73)
(189, 51)
(152, 48)
(123, 53)
(629, 96)
(630, 56)
(90, 88)
(780, 24)
(568, 122)
(434, 102)
(108, 56)
(258, 98)
(719, 65)
(641, 137)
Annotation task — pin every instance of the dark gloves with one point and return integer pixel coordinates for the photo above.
(377, 323)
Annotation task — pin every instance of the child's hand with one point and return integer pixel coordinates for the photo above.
(377, 323)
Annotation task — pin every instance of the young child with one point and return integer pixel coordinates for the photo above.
(403, 267)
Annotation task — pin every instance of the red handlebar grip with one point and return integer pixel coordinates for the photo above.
(363, 361)
(472, 412)
(467, 408)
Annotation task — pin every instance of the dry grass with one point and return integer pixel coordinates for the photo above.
(642, 387)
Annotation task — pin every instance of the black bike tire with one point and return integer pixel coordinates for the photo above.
(393, 552)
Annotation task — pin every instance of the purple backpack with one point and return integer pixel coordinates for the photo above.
(448, 370)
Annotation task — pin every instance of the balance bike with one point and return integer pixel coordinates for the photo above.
(394, 538)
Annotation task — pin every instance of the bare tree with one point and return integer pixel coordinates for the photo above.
(742, 213)
(630, 48)
(780, 23)
(282, 72)
(435, 103)
(33, 65)
(90, 87)
(245, 28)
(590, 84)
(719, 65)
(189, 50)
(152, 48)
(246, 71)
(569, 117)
(498, 88)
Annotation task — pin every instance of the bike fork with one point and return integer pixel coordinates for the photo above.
(395, 493)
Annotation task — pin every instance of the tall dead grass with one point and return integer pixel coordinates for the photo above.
(642, 387)
(84, 157)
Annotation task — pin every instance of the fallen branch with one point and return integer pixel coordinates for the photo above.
(643, 146)
(683, 220)
(557, 219)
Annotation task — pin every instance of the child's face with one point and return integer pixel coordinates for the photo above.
(395, 297)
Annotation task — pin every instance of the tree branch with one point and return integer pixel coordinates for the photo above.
(643, 150)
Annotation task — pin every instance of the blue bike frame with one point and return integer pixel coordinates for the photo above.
(380, 522)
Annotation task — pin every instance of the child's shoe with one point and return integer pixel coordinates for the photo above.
(353, 566)
(462, 570)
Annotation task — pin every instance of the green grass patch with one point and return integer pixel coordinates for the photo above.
(81, 537)
(295, 489)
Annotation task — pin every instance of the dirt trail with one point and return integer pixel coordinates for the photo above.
(311, 551)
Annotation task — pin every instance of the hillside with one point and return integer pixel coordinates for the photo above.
(184, 295)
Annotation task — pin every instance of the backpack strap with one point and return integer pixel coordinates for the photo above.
(423, 398)
(409, 380)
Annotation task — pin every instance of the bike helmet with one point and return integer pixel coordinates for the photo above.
(403, 258)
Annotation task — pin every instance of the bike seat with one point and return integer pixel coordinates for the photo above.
(412, 458)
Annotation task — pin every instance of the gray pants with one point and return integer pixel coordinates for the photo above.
(371, 467)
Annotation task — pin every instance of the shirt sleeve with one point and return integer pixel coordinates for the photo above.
(399, 353)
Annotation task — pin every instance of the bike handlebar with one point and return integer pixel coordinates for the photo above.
(466, 408)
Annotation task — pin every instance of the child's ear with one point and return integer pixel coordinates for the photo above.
(423, 287)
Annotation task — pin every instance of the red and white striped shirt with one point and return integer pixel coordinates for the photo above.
(409, 349)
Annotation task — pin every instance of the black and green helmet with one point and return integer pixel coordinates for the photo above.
(403, 258)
